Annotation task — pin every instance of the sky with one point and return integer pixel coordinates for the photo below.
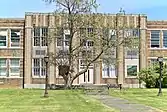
(154, 9)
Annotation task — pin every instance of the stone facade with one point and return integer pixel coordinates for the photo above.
(49, 20)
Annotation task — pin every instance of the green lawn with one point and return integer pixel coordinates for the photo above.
(19, 100)
(143, 96)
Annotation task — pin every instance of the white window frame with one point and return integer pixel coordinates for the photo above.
(10, 66)
(11, 38)
(112, 72)
(159, 39)
(40, 36)
(5, 74)
(66, 32)
(127, 70)
(6, 38)
(40, 68)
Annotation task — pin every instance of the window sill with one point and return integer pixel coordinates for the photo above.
(10, 77)
(11, 48)
(131, 77)
(158, 48)
(109, 77)
(38, 77)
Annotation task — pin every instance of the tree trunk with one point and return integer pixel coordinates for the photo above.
(68, 83)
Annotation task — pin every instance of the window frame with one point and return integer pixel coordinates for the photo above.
(151, 38)
(41, 68)
(63, 40)
(129, 76)
(163, 38)
(4, 67)
(11, 66)
(42, 36)
(110, 72)
(11, 38)
(6, 38)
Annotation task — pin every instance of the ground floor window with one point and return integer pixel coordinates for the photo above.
(9, 67)
(39, 68)
(14, 66)
(131, 70)
(3, 67)
(109, 71)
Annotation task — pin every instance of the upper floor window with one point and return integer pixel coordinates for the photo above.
(165, 38)
(3, 38)
(132, 32)
(155, 38)
(40, 36)
(63, 41)
(132, 54)
(15, 37)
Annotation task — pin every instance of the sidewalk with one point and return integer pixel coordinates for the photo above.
(124, 105)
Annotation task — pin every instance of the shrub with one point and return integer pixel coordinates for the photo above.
(149, 76)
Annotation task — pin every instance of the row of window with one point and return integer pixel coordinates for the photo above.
(14, 37)
(155, 38)
(9, 67)
(109, 71)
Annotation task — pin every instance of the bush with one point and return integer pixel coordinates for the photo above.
(149, 76)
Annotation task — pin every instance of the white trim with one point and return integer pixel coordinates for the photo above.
(11, 57)
(158, 48)
(131, 77)
(12, 27)
(156, 29)
(40, 66)
(159, 40)
(7, 30)
(10, 66)
(10, 36)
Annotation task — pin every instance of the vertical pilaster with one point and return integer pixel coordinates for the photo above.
(28, 52)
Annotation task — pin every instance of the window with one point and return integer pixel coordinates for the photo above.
(40, 36)
(87, 43)
(131, 33)
(15, 37)
(87, 53)
(155, 38)
(63, 41)
(132, 54)
(14, 66)
(39, 69)
(153, 61)
(3, 67)
(165, 38)
(109, 71)
(3, 38)
(131, 70)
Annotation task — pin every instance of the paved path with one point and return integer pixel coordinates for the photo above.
(124, 105)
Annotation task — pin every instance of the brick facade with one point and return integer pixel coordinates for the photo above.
(26, 50)
(9, 52)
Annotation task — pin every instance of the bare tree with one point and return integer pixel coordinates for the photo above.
(83, 34)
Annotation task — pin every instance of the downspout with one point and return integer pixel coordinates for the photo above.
(139, 20)
(23, 55)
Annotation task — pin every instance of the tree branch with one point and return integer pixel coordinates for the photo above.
(87, 66)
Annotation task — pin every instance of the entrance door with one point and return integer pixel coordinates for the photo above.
(86, 77)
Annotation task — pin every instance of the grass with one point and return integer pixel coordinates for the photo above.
(19, 100)
(143, 96)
